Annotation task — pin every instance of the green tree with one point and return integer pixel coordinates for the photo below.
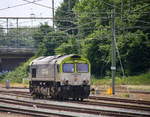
(94, 15)
(134, 50)
(65, 17)
(21, 37)
(39, 35)
(51, 41)
(97, 49)
(69, 47)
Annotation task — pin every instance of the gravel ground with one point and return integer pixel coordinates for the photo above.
(122, 95)
(128, 95)
(8, 114)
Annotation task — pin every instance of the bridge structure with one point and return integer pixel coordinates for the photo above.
(10, 58)
(13, 49)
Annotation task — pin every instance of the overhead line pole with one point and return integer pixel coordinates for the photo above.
(17, 33)
(113, 61)
(7, 25)
(113, 45)
(69, 5)
(53, 12)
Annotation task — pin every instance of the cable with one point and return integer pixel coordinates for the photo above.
(136, 27)
(137, 21)
(47, 7)
(141, 8)
(18, 5)
(70, 13)
(119, 57)
(38, 4)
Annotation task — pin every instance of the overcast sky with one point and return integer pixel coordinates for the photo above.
(15, 8)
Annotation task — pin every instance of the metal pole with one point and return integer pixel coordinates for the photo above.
(121, 9)
(113, 62)
(69, 7)
(53, 12)
(7, 25)
(17, 33)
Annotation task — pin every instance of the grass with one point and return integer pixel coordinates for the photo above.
(143, 79)
(23, 85)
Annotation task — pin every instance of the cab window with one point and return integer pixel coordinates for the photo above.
(68, 68)
(82, 67)
(33, 73)
(58, 68)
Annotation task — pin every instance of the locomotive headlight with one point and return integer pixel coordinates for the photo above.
(65, 82)
(85, 82)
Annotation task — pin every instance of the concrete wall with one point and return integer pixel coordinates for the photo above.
(12, 58)
(9, 64)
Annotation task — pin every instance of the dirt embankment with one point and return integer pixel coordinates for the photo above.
(124, 91)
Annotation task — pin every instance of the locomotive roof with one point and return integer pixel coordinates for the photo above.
(51, 59)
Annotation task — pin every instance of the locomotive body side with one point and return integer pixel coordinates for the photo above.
(60, 77)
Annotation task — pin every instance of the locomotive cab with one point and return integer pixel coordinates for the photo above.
(75, 77)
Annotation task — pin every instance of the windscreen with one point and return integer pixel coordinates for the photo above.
(82, 67)
(68, 67)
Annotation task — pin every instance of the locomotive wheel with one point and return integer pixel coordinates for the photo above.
(35, 96)
(75, 99)
(41, 96)
(61, 98)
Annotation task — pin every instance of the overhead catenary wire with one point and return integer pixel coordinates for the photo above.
(69, 12)
(107, 19)
(91, 19)
(38, 4)
(75, 27)
(141, 21)
(70, 21)
(119, 57)
(19, 5)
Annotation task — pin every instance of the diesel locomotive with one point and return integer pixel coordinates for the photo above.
(60, 77)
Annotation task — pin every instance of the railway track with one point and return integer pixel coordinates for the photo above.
(98, 108)
(118, 105)
(25, 111)
(129, 91)
(17, 93)
(120, 100)
(100, 101)
(75, 109)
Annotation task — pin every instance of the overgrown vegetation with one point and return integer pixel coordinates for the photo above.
(143, 79)
(18, 74)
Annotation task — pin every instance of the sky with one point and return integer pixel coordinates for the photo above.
(15, 8)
